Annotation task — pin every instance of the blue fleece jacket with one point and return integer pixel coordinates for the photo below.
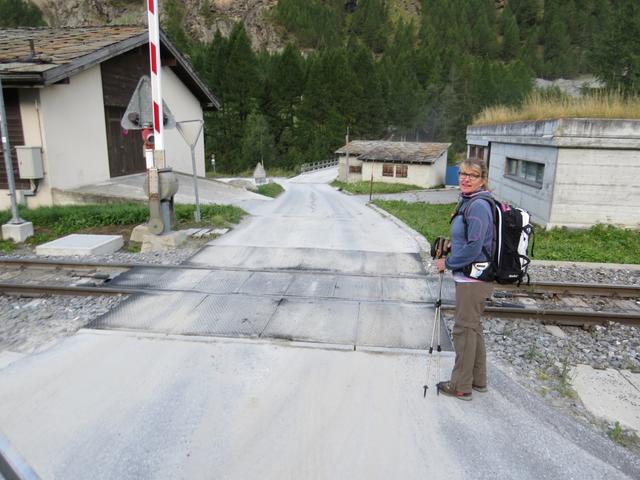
(466, 250)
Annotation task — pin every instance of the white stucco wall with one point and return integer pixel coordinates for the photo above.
(74, 132)
(596, 186)
(342, 169)
(31, 117)
(423, 175)
(184, 106)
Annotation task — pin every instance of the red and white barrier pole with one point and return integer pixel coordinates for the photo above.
(156, 67)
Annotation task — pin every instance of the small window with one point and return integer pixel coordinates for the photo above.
(387, 170)
(355, 168)
(531, 173)
(402, 170)
(477, 151)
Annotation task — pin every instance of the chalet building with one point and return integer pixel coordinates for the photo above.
(572, 172)
(65, 92)
(422, 164)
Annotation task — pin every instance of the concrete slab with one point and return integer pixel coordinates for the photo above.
(164, 242)
(152, 313)
(80, 244)
(130, 187)
(358, 288)
(228, 315)
(394, 325)
(222, 281)
(316, 321)
(318, 259)
(266, 283)
(406, 289)
(138, 233)
(18, 232)
(609, 394)
(312, 286)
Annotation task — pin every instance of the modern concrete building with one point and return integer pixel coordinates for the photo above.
(65, 92)
(413, 163)
(572, 172)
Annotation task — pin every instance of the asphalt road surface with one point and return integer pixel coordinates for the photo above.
(301, 357)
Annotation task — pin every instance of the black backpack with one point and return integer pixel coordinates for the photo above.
(512, 232)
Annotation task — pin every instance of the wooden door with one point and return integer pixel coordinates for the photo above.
(126, 155)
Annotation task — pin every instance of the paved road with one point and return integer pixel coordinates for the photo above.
(180, 386)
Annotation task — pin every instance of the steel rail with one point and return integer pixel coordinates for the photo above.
(80, 290)
(559, 317)
(595, 289)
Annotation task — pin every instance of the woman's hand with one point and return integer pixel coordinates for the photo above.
(440, 265)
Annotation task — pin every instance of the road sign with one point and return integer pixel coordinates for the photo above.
(139, 112)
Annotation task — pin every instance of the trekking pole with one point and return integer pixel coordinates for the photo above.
(435, 331)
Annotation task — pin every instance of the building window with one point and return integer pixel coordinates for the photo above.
(387, 170)
(402, 170)
(355, 168)
(477, 151)
(531, 173)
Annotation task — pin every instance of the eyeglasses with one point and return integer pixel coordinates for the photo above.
(472, 176)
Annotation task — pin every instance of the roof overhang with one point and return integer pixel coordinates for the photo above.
(50, 75)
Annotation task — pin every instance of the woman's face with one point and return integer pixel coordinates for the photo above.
(470, 180)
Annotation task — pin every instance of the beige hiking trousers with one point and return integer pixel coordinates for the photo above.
(470, 366)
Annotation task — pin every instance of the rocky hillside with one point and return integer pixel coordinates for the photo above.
(203, 17)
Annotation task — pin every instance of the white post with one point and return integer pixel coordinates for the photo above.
(156, 83)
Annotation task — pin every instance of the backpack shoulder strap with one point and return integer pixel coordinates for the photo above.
(493, 206)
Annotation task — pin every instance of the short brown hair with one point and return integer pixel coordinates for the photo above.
(476, 164)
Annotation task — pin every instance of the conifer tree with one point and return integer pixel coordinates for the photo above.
(20, 13)
(615, 54)
(484, 37)
(371, 23)
(510, 36)
(558, 58)
(173, 24)
(257, 143)
(369, 115)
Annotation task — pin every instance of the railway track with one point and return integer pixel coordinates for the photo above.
(549, 302)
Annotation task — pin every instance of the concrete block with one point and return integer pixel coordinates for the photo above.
(79, 244)
(138, 233)
(166, 241)
(18, 232)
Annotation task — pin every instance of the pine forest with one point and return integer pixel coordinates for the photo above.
(367, 67)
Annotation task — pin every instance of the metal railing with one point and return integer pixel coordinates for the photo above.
(310, 167)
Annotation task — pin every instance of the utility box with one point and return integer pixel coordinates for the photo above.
(30, 162)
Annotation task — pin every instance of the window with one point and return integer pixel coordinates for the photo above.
(387, 170)
(531, 173)
(402, 170)
(355, 168)
(477, 151)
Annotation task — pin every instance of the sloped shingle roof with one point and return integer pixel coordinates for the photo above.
(386, 151)
(43, 56)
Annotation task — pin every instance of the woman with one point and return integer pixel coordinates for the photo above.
(471, 246)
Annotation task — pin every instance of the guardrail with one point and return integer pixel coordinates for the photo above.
(310, 167)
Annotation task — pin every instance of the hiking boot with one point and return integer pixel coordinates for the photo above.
(478, 388)
(447, 389)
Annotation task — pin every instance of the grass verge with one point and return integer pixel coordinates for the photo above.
(270, 189)
(363, 188)
(117, 218)
(600, 243)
